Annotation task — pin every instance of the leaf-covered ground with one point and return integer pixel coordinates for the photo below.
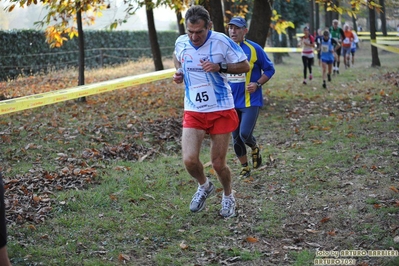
(321, 203)
(28, 194)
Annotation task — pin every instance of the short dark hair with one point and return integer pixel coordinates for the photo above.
(196, 13)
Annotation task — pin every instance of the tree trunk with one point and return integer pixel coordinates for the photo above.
(354, 21)
(205, 3)
(335, 15)
(260, 23)
(227, 9)
(81, 50)
(216, 13)
(383, 18)
(180, 24)
(374, 51)
(317, 9)
(152, 33)
(311, 22)
(277, 57)
(327, 16)
(292, 37)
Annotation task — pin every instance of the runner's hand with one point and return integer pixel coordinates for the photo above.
(208, 66)
(252, 87)
(178, 76)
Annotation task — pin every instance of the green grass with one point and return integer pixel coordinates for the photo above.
(327, 160)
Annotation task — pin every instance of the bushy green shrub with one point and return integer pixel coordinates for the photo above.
(26, 51)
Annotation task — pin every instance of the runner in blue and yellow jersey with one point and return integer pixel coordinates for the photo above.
(247, 93)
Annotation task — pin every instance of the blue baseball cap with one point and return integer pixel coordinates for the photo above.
(238, 21)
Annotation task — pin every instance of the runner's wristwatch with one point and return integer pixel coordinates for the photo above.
(223, 67)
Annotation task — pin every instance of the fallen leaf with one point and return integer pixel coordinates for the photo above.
(249, 180)
(332, 233)
(311, 231)
(123, 257)
(36, 199)
(207, 164)
(394, 189)
(325, 219)
(183, 245)
(316, 141)
(292, 247)
(251, 239)
(271, 159)
(150, 196)
(350, 135)
(313, 244)
(31, 227)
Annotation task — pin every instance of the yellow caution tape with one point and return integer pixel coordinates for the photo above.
(32, 101)
(41, 99)
(388, 42)
(377, 33)
(392, 38)
(384, 47)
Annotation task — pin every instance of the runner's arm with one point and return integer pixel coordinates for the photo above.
(238, 68)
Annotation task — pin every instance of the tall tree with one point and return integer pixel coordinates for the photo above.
(227, 10)
(275, 33)
(260, 22)
(354, 21)
(60, 21)
(180, 25)
(178, 6)
(327, 16)
(81, 41)
(317, 13)
(335, 15)
(312, 15)
(216, 13)
(204, 3)
(152, 33)
(383, 18)
(297, 12)
(375, 60)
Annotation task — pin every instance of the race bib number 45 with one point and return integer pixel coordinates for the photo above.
(203, 96)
